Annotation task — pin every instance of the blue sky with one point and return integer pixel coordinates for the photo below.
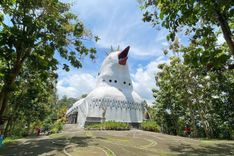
(117, 23)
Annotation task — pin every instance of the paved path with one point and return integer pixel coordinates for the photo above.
(78, 142)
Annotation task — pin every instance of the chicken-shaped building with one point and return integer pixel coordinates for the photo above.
(113, 98)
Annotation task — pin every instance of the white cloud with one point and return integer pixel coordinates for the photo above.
(119, 23)
(144, 79)
(75, 85)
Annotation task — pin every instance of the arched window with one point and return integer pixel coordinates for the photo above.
(129, 84)
(110, 80)
(124, 82)
(115, 81)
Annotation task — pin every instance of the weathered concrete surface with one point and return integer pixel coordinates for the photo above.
(75, 142)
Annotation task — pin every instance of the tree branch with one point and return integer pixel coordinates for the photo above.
(225, 28)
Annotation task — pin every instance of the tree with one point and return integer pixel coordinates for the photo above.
(185, 95)
(200, 21)
(35, 31)
(197, 18)
(169, 104)
(191, 88)
(149, 112)
(32, 101)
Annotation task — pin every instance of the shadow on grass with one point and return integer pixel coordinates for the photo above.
(33, 147)
(101, 138)
(216, 149)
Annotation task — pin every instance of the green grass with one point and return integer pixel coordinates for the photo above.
(150, 125)
(10, 139)
(109, 125)
(55, 135)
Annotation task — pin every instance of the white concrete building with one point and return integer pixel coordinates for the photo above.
(113, 98)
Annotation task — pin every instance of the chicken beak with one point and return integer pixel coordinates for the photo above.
(123, 56)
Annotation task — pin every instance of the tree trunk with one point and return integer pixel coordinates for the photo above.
(7, 87)
(204, 124)
(8, 126)
(175, 123)
(192, 116)
(13, 116)
(3, 103)
(28, 128)
(227, 34)
(193, 122)
(203, 120)
(201, 112)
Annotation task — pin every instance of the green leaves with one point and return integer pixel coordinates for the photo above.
(1, 18)
(74, 61)
(191, 88)
(79, 30)
(66, 67)
(191, 95)
(198, 19)
(161, 15)
(46, 26)
(31, 36)
(147, 17)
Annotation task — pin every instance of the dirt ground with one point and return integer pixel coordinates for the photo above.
(78, 142)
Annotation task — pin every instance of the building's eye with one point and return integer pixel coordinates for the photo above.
(115, 81)
(129, 84)
(98, 74)
(124, 82)
(110, 80)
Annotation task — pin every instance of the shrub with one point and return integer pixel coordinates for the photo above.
(57, 126)
(10, 139)
(149, 125)
(109, 125)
